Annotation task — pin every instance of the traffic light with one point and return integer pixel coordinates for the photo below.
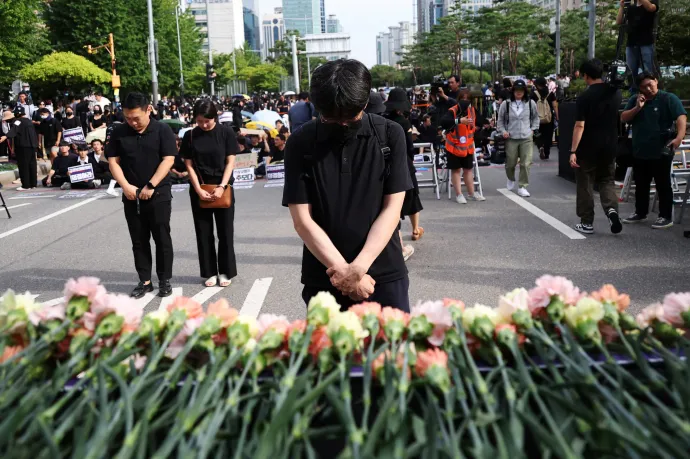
(210, 72)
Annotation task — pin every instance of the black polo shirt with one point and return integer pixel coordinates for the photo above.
(141, 154)
(345, 185)
(62, 163)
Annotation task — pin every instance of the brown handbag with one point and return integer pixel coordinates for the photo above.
(225, 201)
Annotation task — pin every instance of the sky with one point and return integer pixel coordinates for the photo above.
(362, 19)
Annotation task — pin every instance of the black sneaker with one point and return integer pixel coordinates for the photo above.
(164, 289)
(584, 228)
(634, 218)
(141, 290)
(614, 221)
(662, 223)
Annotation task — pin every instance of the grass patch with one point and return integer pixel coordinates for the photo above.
(8, 167)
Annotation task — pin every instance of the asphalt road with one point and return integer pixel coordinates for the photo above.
(473, 252)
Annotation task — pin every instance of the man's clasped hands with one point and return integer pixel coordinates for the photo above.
(352, 280)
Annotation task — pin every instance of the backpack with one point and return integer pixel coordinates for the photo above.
(543, 110)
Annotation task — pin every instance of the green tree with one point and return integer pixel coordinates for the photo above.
(673, 42)
(574, 38)
(58, 72)
(539, 60)
(74, 25)
(385, 75)
(23, 39)
(263, 77)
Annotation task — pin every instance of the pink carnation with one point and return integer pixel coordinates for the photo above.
(609, 294)
(273, 322)
(438, 315)
(45, 314)
(647, 315)
(89, 287)
(674, 305)
(176, 345)
(366, 309)
(608, 332)
(127, 308)
(389, 314)
(550, 286)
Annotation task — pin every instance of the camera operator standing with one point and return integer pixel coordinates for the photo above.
(658, 125)
(592, 154)
(640, 16)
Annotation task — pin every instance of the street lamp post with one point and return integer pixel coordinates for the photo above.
(558, 37)
(295, 67)
(212, 83)
(592, 28)
(179, 49)
(152, 55)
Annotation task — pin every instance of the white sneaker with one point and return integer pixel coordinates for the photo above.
(523, 192)
(65, 186)
(460, 199)
(510, 185)
(477, 197)
(21, 188)
(97, 183)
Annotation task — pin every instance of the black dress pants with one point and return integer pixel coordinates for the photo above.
(644, 170)
(546, 138)
(153, 220)
(210, 264)
(394, 294)
(26, 163)
(55, 181)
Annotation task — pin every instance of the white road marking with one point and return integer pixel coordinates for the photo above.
(537, 212)
(19, 205)
(177, 291)
(146, 299)
(255, 297)
(47, 217)
(33, 197)
(206, 293)
(53, 302)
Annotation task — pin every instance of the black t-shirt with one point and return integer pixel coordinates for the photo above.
(96, 123)
(283, 107)
(70, 123)
(49, 128)
(345, 184)
(209, 150)
(598, 108)
(276, 155)
(62, 163)
(641, 25)
(141, 154)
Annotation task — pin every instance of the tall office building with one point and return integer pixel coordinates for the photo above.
(333, 24)
(250, 14)
(323, 16)
(565, 4)
(272, 30)
(303, 16)
(390, 45)
(225, 21)
(472, 55)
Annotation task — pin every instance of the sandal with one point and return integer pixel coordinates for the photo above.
(408, 251)
(417, 235)
(224, 281)
(211, 281)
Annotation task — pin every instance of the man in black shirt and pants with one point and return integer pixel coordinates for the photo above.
(639, 52)
(140, 153)
(346, 175)
(593, 152)
(25, 145)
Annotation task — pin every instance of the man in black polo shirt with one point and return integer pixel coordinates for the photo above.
(140, 153)
(346, 177)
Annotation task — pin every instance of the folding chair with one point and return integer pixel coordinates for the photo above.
(428, 161)
(477, 178)
(5, 205)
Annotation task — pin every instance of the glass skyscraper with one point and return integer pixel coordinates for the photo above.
(305, 16)
(252, 31)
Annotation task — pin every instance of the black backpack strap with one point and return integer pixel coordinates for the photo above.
(506, 116)
(383, 145)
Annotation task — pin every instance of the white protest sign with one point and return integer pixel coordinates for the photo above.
(275, 172)
(74, 135)
(82, 173)
(244, 175)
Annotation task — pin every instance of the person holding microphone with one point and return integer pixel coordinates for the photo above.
(209, 153)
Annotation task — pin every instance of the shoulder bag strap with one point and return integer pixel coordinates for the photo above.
(194, 161)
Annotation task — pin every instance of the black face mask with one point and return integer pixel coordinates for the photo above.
(339, 132)
(69, 113)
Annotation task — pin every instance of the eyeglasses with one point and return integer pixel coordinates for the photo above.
(341, 122)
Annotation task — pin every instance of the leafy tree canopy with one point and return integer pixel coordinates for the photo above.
(62, 71)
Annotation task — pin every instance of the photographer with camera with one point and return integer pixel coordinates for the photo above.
(658, 122)
(640, 16)
(592, 154)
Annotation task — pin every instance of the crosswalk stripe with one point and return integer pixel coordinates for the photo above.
(146, 299)
(53, 302)
(206, 293)
(19, 205)
(255, 297)
(177, 291)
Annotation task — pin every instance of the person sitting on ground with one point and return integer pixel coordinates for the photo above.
(97, 121)
(58, 173)
(82, 160)
(277, 152)
(101, 168)
(282, 129)
(261, 150)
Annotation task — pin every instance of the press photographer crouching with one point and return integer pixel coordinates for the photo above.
(640, 17)
(658, 122)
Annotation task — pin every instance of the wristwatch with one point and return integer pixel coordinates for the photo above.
(222, 186)
(150, 185)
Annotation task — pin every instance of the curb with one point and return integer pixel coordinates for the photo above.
(7, 177)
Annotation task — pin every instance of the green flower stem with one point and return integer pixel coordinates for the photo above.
(461, 396)
(289, 378)
(366, 383)
(354, 435)
(450, 420)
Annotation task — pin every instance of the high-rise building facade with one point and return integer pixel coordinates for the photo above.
(323, 16)
(565, 4)
(333, 24)
(252, 30)
(303, 16)
(390, 45)
(224, 21)
(272, 30)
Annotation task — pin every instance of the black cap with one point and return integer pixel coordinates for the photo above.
(19, 110)
(375, 104)
(520, 84)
